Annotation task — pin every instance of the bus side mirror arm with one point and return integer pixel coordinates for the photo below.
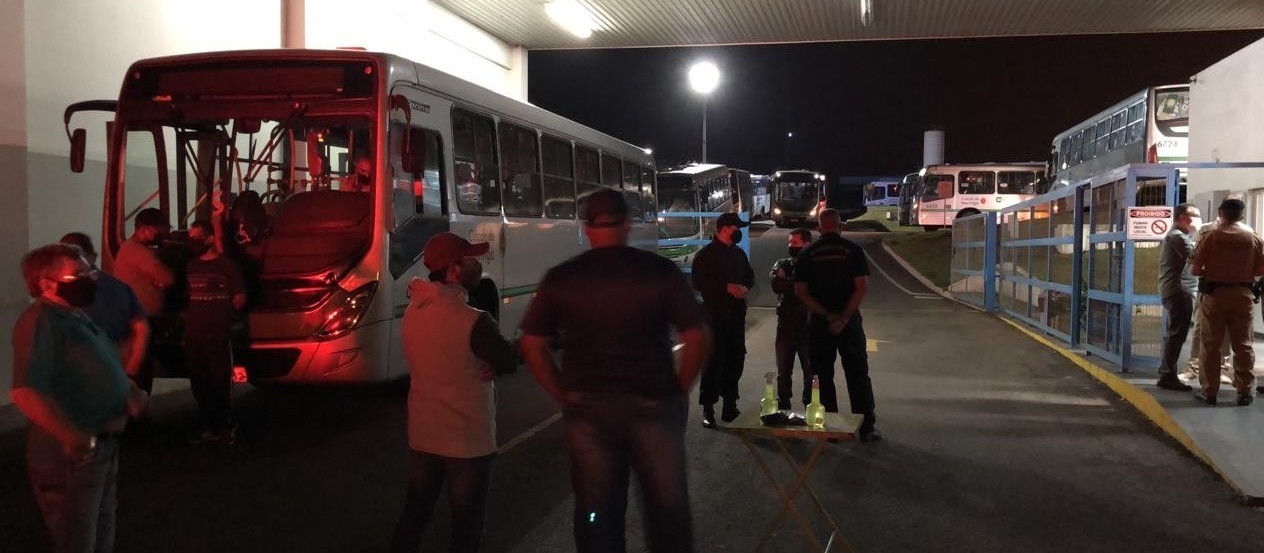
(399, 102)
(79, 137)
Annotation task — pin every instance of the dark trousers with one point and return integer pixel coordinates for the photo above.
(850, 345)
(792, 342)
(468, 481)
(611, 435)
(1180, 314)
(728, 359)
(77, 499)
(210, 366)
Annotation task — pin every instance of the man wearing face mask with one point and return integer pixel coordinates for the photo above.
(1177, 287)
(723, 276)
(138, 266)
(361, 178)
(69, 383)
(115, 309)
(792, 322)
(454, 352)
(216, 296)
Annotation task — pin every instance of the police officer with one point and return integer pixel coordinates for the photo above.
(1227, 259)
(792, 323)
(723, 275)
(831, 278)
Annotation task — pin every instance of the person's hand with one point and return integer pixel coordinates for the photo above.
(781, 272)
(736, 290)
(486, 374)
(217, 202)
(79, 449)
(137, 401)
(836, 324)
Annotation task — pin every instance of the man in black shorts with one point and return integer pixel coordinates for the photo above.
(624, 401)
(831, 278)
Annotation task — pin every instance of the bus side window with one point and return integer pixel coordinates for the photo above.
(632, 190)
(520, 171)
(647, 193)
(474, 149)
(611, 171)
(587, 175)
(559, 178)
(419, 192)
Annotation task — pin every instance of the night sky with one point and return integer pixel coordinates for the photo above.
(860, 108)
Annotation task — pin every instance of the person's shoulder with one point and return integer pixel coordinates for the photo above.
(35, 314)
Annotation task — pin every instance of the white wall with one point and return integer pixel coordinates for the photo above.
(1226, 124)
(423, 32)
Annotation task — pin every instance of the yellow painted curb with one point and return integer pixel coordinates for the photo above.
(1139, 398)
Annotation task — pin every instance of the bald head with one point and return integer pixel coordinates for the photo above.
(830, 221)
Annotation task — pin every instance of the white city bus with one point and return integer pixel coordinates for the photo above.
(882, 194)
(277, 130)
(699, 188)
(947, 192)
(797, 196)
(1150, 126)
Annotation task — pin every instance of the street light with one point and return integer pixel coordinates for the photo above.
(785, 159)
(704, 76)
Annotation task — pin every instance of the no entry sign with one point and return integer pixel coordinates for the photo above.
(1149, 223)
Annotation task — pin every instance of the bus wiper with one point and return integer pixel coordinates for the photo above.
(274, 139)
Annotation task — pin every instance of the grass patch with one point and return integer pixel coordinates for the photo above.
(929, 252)
(876, 220)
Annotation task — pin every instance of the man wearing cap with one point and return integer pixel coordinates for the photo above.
(1227, 259)
(138, 266)
(480, 294)
(831, 277)
(454, 352)
(723, 276)
(624, 401)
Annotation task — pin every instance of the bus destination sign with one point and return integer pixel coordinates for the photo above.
(1149, 222)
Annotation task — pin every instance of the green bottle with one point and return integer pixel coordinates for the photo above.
(816, 412)
(768, 405)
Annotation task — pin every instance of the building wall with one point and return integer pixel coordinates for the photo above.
(1226, 108)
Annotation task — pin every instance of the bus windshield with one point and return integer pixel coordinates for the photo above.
(798, 195)
(1171, 106)
(676, 194)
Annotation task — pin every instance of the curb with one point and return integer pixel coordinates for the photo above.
(1138, 398)
(922, 279)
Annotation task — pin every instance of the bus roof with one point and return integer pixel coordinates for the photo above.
(1122, 104)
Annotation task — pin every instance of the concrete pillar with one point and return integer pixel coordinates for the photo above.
(293, 23)
(932, 148)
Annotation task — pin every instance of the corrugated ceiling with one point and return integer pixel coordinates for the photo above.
(647, 23)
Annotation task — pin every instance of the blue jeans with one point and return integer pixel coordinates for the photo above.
(468, 481)
(611, 435)
(77, 500)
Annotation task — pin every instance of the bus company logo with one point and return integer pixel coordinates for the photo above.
(418, 106)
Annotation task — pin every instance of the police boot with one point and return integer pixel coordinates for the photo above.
(708, 416)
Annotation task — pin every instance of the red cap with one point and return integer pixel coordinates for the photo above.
(445, 249)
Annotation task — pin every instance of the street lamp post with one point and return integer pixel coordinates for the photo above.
(704, 76)
(786, 158)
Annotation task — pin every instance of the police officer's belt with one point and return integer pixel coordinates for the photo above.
(1207, 287)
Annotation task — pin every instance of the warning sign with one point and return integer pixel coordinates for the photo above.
(1149, 223)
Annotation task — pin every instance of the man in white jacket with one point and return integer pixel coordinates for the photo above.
(454, 352)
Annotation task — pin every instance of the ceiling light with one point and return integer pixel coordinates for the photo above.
(572, 16)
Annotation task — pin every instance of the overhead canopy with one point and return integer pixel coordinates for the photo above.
(649, 23)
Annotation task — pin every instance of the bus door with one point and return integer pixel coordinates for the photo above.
(936, 207)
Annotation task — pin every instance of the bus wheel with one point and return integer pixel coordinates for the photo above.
(930, 228)
(966, 213)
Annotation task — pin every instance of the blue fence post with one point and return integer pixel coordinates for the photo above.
(1125, 310)
(744, 243)
(989, 261)
(1077, 268)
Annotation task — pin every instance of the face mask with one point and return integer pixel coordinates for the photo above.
(79, 292)
(1196, 223)
(471, 274)
(794, 251)
(736, 236)
(199, 248)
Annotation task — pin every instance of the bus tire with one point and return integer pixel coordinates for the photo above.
(966, 213)
(930, 228)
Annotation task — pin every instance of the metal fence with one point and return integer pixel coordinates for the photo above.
(1062, 262)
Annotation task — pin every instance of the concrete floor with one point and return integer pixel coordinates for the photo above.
(993, 444)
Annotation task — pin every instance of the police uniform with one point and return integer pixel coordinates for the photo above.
(829, 267)
(716, 266)
(1228, 258)
(792, 334)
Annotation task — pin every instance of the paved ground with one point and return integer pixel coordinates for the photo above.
(994, 444)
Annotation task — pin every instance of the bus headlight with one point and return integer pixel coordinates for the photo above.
(340, 320)
(776, 211)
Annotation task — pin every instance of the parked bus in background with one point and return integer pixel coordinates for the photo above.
(279, 130)
(1151, 126)
(948, 192)
(908, 200)
(796, 196)
(761, 197)
(698, 188)
(882, 194)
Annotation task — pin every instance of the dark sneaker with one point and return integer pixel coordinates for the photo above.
(708, 416)
(1173, 383)
(1245, 400)
(730, 413)
(1208, 400)
(870, 436)
(784, 405)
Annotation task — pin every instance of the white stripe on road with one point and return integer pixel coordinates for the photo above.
(529, 434)
(918, 295)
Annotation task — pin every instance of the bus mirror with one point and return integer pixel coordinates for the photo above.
(407, 163)
(247, 126)
(78, 142)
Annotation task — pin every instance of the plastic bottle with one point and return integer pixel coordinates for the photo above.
(816, 412)
(768, 405)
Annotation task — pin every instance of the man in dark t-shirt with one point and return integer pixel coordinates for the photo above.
(831, 278)
(624, 401)
(216, 296)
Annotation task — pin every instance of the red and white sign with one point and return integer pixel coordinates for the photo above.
(1149, 223)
